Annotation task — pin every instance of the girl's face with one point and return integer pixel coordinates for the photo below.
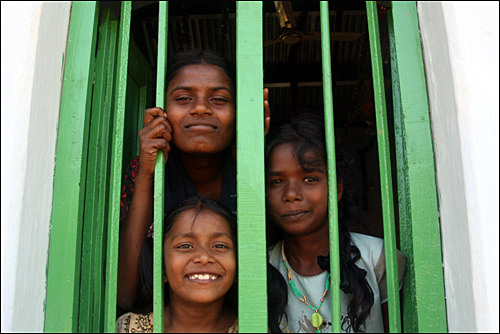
(297, 199)
(200, 257)
(200, 108)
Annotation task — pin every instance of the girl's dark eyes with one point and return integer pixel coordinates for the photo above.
(183, 99)
(311, 179)
(275, 181)
(307, 179)
(190, 246)
(218, 100)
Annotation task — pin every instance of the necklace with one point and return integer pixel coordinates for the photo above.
(316, 318)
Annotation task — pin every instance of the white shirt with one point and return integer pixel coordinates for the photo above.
(298, 314)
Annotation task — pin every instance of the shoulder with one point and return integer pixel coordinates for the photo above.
(371, 248)
(367, 243)
(135, 323)
(274, 253)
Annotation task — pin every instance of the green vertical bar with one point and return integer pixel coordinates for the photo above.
(96, 198)
(159, 187)
(104, 169)
(63, 276)
(252, 302)
(332, 169)
(409, 308)
(423, 297)
(116, 168)
(385, 169)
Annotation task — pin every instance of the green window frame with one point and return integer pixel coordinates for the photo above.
(89, 159)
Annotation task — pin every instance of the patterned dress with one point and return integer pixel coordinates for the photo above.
(143, 323)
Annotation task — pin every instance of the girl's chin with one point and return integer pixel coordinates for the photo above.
(202, 145)
(301, 230)
(202, 149)
(203, 299)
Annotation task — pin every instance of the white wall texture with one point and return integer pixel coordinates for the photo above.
(33, 41)
(460, 46)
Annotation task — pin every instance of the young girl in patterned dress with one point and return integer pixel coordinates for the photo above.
(199, 272)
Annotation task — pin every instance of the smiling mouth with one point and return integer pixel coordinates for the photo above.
(202, 277)
(294, 214)
(205, 127)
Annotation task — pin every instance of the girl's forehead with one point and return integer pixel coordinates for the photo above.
(193, 220)
(284, 157)
(288, 151)
(203, 71)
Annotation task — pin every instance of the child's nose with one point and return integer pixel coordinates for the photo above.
(203, 256)
(292, 192)
(201, 108)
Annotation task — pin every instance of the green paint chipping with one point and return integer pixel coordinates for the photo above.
(385, 169)
(63, 275)
(423, 301)
(252, 309)
(331, 164)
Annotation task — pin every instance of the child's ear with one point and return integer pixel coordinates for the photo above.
(340, 191)
(165, 280)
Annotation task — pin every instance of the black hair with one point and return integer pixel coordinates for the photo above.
(193, 57)
(305, 132)
(144, 303)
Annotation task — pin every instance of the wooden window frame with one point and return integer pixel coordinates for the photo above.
(423, 292)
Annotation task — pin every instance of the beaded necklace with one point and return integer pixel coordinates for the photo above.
(316, 318)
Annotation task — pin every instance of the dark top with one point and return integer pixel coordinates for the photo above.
(178, 186)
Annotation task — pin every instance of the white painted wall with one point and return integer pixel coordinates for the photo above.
(460, 46)
(33, 41)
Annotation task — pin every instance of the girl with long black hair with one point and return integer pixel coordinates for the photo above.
(299, 271)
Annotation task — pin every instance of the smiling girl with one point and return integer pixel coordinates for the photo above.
(199, 272)
(299, 275)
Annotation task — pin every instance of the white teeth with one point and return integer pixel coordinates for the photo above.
(202, 276)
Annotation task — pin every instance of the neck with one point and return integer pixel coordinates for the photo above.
(302, 251)
(181, 317)
(205, 172)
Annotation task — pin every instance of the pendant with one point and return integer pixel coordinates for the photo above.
(316, 319)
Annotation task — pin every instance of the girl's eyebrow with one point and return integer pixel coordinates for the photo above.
(309, 170)
(192, 235)
(222, 234)
(190, 88)
(221, 87)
